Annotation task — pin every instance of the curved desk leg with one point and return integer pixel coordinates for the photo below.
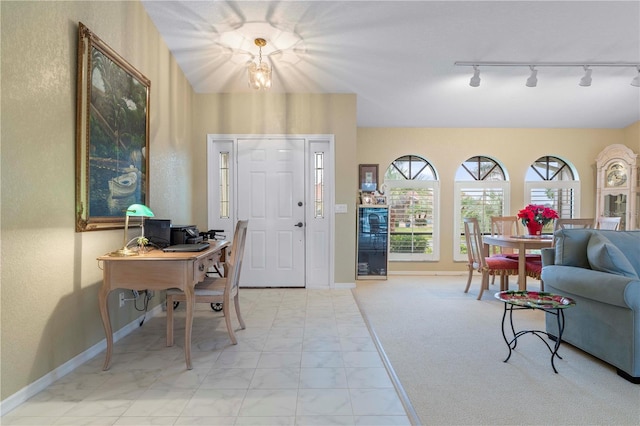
(190, 297)
(103, 296)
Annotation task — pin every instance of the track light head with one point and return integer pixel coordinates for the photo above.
(636, 79)
(475, 80)
(585, 81)
(532, 81)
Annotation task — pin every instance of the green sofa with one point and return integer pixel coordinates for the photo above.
(600, 270)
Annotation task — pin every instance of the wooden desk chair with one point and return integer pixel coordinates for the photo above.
(493, 265)
(611, 223)
(217, 290)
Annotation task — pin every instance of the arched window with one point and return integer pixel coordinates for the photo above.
(552, 182)
(481, 191)
(412, 190)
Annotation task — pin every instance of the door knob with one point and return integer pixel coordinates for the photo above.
(299, 224)
(299, 203)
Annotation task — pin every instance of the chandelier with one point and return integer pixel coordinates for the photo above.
(260, 73)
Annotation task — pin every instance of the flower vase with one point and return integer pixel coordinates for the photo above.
(534, 228)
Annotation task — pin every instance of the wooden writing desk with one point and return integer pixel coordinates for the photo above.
(522, 243)
(156, 270)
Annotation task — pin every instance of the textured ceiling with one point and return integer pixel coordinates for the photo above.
(398, 57)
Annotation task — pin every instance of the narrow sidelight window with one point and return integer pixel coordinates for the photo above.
(224, 185)
(318, 184)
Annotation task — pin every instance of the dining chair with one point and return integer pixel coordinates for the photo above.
(573, 223)
(504, 225)
(509, 226)
(217, 290)
(610, 223)
(492, 265)
(534, 270)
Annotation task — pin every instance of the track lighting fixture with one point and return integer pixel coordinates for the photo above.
(475, 80)
(585, 81)
(532, 81)
(636, 79)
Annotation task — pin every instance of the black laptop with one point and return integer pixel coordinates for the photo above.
(186, 247)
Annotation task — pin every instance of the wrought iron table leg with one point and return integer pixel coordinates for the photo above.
(511, 344)
(560, 320)
(504, 335)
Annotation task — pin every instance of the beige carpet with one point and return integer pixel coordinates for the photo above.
(447, 350)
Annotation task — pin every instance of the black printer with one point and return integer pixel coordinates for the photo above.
(185, 234)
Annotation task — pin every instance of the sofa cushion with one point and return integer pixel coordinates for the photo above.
(629, 243)
(571, 247)
(604, 256)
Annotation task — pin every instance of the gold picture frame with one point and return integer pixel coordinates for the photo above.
(112, 135)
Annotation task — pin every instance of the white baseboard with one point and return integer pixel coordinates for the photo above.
(43, 382)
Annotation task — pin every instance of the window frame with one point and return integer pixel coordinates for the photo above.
(458, 227)
(434, 185)
(481, 182)
(574, 184)
(529, 186)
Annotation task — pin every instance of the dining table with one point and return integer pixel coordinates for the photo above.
(522, 243)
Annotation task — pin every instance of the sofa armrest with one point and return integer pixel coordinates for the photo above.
(595, 285)
(548, 256)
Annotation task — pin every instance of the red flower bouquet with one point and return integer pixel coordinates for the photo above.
(534, 217)
(537, 213)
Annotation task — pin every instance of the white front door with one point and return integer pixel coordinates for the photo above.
(270, 194)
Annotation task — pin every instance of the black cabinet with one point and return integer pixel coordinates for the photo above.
(373, 242)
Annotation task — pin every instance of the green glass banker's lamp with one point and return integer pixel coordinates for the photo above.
(133, 210)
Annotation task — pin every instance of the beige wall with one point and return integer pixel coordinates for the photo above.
(49, 273)
(515, 149)
(267, 113)
(632, 137)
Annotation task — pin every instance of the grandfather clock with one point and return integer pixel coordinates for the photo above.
(618, 186)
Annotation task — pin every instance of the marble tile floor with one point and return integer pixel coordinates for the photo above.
(305, 358)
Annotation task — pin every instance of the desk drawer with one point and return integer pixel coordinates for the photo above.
(202, 265)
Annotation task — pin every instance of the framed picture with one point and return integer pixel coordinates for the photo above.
(366, 199)
(368, 177)
(112, 135)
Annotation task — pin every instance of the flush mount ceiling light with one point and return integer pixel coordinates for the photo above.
(585, 81)
(532, 81)
(260, 73)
